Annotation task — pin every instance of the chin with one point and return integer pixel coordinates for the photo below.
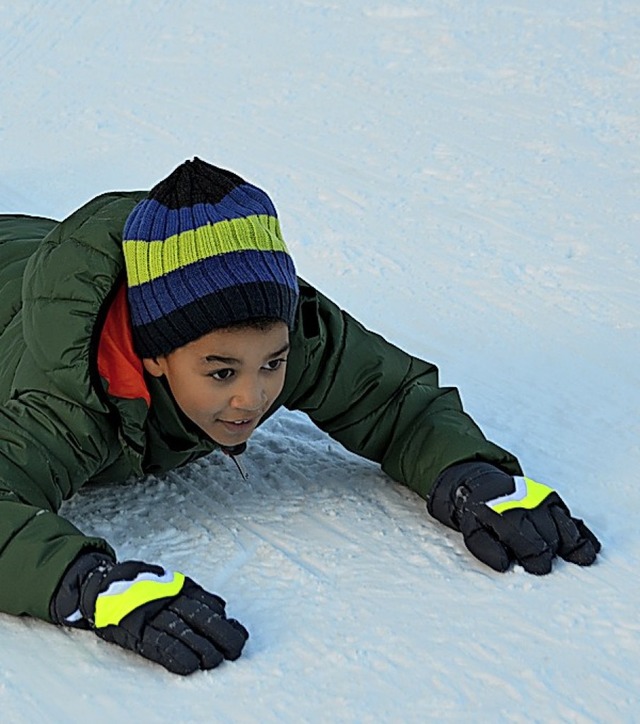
(231, 443)
(230, 440)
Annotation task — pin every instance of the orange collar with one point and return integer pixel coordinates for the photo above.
(118, 363)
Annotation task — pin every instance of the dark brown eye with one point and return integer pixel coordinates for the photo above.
(222, 375)
(274, 364)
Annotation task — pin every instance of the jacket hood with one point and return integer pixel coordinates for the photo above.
(70, 278)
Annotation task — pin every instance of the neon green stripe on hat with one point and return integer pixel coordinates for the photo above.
(149, 260)
(528, 494)
(124, 597)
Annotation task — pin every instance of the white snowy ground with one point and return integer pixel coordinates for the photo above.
(464, 178)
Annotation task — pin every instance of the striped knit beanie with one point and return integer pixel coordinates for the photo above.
(204, 251)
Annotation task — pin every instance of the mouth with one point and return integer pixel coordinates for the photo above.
(238, 426)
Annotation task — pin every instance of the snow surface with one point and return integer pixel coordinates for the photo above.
(464, 178)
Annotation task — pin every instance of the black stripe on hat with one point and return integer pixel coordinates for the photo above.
(231, 306)
(195, 182)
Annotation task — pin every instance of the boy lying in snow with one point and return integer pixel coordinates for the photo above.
(147, 330)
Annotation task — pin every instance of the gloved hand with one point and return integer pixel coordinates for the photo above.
(165, 617)
(505, 519)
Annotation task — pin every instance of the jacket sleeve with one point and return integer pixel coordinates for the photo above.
(379, 401)
(43, 460)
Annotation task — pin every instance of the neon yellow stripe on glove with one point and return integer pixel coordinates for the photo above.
(123, 597)
(528, 494)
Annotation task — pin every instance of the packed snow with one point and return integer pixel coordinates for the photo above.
(463, 177)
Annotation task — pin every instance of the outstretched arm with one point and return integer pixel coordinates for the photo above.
(50, 570)
(389, 407)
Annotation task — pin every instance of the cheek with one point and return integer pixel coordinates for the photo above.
(276, 385)
(199, 400)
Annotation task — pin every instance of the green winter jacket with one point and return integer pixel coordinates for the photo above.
(64, 422)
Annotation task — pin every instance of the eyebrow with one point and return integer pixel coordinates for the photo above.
(213, 358)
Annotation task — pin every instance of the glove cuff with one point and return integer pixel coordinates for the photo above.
(455, 485)
(65, 607)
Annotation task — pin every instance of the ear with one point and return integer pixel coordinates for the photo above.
(154, 365)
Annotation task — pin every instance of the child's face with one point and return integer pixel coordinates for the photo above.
(225, 381)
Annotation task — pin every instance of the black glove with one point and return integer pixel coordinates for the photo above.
(503, 519)
(165, 617)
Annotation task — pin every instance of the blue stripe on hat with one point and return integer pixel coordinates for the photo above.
(151, 220)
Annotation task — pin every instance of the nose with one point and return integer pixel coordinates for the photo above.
(248, 395)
